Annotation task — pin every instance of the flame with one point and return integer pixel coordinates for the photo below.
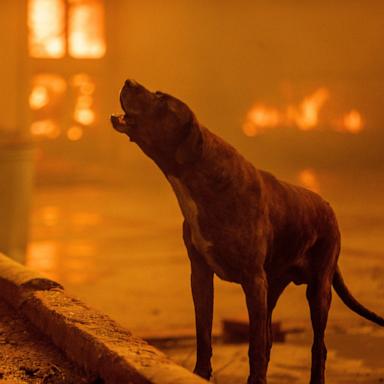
(259, 119)
(304, 116)
(46, 38)
(47, 26)
(308, 179)
(352, 122)
(307, 116)
(86, 29)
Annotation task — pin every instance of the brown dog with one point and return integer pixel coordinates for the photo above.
(242, 224)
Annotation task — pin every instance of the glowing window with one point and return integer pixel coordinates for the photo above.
(50, 32)
(83, 112)
(48, 101)
(46, 25)
(86, 29)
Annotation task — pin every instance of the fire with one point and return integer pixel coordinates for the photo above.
(47, 26)
(307, 116)
(259, 119)
(46, 38)
(308, 179)
(304, 116)
(86, 29)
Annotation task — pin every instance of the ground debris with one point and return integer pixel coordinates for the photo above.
(26, 357)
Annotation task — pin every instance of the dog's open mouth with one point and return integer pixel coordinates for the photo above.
(122, 122)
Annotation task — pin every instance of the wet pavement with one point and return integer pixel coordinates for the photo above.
(118, 246)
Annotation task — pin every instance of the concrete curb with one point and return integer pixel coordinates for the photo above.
(89, 338)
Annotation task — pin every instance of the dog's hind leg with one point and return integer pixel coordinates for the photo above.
(323, 257)
(319, 299)
(275, 289)
(255, 290)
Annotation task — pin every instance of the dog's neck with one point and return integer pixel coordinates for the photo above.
(210, 173)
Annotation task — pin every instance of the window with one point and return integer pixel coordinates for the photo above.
(46, 26)
(50, 99)
(60, 27)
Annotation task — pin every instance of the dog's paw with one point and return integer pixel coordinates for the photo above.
(256, 380)
(204, 373)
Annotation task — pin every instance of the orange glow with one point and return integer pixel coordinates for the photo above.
(84, 113)
(304, 116)
(308, 179)
(259, 119)
(353, 122)
(86, 29)
(75, 133)
(84, 116)
(39, 97)
(46, 25)
(46, 88)
(50, 215)
(45, 128)
(307, 116)
(42, 256)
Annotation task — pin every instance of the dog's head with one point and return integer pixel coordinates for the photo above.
(161, 125)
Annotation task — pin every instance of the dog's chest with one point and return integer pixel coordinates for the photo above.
(191, 214)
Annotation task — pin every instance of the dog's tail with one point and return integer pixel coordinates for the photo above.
(347, 298)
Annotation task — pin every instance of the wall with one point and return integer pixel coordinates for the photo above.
(13, 78)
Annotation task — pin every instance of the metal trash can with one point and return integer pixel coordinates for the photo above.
(17, 163)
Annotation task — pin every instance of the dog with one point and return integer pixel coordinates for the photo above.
(242, 224)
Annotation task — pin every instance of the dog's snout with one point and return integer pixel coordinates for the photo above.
(131, 83)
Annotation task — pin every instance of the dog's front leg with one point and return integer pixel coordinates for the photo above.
(202, 291)
(255, 289)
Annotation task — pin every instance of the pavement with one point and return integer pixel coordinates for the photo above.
(90, 339)
(26, 356)
(117, 245)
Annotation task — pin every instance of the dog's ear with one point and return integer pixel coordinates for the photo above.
(191, 146)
